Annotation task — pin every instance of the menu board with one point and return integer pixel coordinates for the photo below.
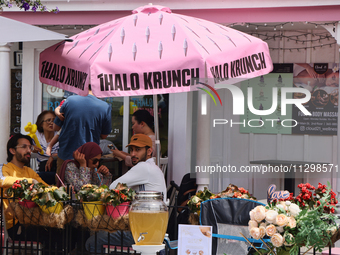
(322, 80)
(262, 99)
(194, 240)
(16, 77)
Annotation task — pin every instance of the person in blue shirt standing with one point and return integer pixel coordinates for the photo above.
(86, 119)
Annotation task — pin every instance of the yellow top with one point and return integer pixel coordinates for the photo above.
(11, 173)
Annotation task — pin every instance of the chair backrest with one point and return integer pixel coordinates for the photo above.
(163, 165)
(228, 217)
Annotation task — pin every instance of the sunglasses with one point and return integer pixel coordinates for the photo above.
(95, 161)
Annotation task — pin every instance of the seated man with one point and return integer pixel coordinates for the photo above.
(19, 149)
(144, 175)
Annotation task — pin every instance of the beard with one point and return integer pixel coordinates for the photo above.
(141, 159)
(22, 158)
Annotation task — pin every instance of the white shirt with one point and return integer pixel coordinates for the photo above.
(145, 176)
(44, 144)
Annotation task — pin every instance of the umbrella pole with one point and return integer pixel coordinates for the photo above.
(155, 116)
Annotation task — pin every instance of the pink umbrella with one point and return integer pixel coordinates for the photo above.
(152, 51)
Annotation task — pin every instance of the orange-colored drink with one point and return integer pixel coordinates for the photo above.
(150, 222)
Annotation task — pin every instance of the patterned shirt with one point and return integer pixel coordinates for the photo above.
(78, 177)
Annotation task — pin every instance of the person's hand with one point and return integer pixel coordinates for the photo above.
(34, 181)
(116, 152)
(48, 150)
(80, 157)
(103, 170)
(48, 165)
(36, 149)
(59, 114)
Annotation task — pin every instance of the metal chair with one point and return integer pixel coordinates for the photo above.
(229, 217)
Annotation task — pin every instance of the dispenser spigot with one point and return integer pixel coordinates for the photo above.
(141, 237)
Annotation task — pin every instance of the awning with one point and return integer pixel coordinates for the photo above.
(16, 31)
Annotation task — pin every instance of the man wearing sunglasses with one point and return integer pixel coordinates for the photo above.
(144, 175)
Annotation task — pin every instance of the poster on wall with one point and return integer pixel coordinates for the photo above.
(322, 80)
(264, 89)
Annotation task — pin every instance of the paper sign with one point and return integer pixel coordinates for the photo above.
(194, 240)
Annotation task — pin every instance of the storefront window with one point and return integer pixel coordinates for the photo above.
(52, 97)
(146, 103)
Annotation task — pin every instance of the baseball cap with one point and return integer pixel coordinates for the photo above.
(140, 140)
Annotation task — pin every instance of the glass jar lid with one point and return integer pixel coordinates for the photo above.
(149, 195)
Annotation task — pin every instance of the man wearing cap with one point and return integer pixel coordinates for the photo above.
(144, 175)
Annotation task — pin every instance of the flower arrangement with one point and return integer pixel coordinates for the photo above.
(310, 197)
(118, 195)
(49, 196)
(23, 190)
(90, 192)
(231, 191)
(33, 5)
(290, 227)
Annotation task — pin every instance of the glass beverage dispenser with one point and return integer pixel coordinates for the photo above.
(148, 218)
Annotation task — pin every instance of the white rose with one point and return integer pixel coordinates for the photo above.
(291, 222)
(252, 224)
(259, 213)
(255, 233)
(294, 210)
(281, 220)
(251, 214)
(263, 225)
(283, 203)
(262, 231)
(279, 229)
(271, 216)
(288, 203)
(289, 239)
(270, 230)
(277, 240)
(280, 206)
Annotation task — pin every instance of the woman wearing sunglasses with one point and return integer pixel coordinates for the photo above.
(84, 168)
